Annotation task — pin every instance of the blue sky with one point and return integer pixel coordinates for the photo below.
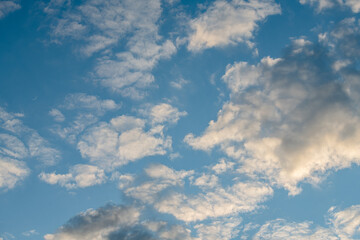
(170, 119)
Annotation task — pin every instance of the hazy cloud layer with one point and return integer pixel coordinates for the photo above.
(229, 22)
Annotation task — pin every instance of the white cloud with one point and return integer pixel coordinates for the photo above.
(288, 120)
(7, 7)
(161, 177)
(88, 109)
(281, 230)
(57, 115)
(206, 181)
(346, 223)
(12, 147)
(97, 224)
(179, 84)
(100, 26)
(223, 166)
(11, 172)
(239, 198)
(224, 229)
(30, 233)
(79, 176)
(27, 142)
(343, 225)
(321, 5)
(111, 145)
(229, 22)
(162, 113)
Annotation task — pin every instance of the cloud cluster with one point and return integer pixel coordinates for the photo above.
(7, 7)
(114, 222)
(79, 176)
(292, 119)
(229, 22)
(343, 225)
(17, 143)
(101, 27)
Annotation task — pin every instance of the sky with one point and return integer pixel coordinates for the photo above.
(179, 119)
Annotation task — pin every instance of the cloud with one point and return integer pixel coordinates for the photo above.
(281, 229)
(7, 7)
(123, 140)
(229, 22)
(101, 27)
(113, 222)
(97, 224)
(30, 233)
(162, 113)
(347, 222)
(57, 115)
(11, 172)
(290, 119)
(24, 141)
(161, 178)
(82, 101)
(343, 224)
(179, 84)
(79, 176)
(12, 147)
(321, 5)
(224, 229)
(239, 198)
(87, 108)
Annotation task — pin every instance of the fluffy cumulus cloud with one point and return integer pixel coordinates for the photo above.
(291, 119)
(229, 22)
(101, 26)
(321, 5)
(7, 7)
(79, 176)
(162, 113)
(122, 140)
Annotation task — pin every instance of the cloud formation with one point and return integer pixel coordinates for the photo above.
(79, 176)
(102, 27)
(321, 5)
(291, 119)
(229, 22)
(7, 7)
(114, 222)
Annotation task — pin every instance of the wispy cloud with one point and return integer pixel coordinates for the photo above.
(7, 7)
(103, 27)
(322, 5)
